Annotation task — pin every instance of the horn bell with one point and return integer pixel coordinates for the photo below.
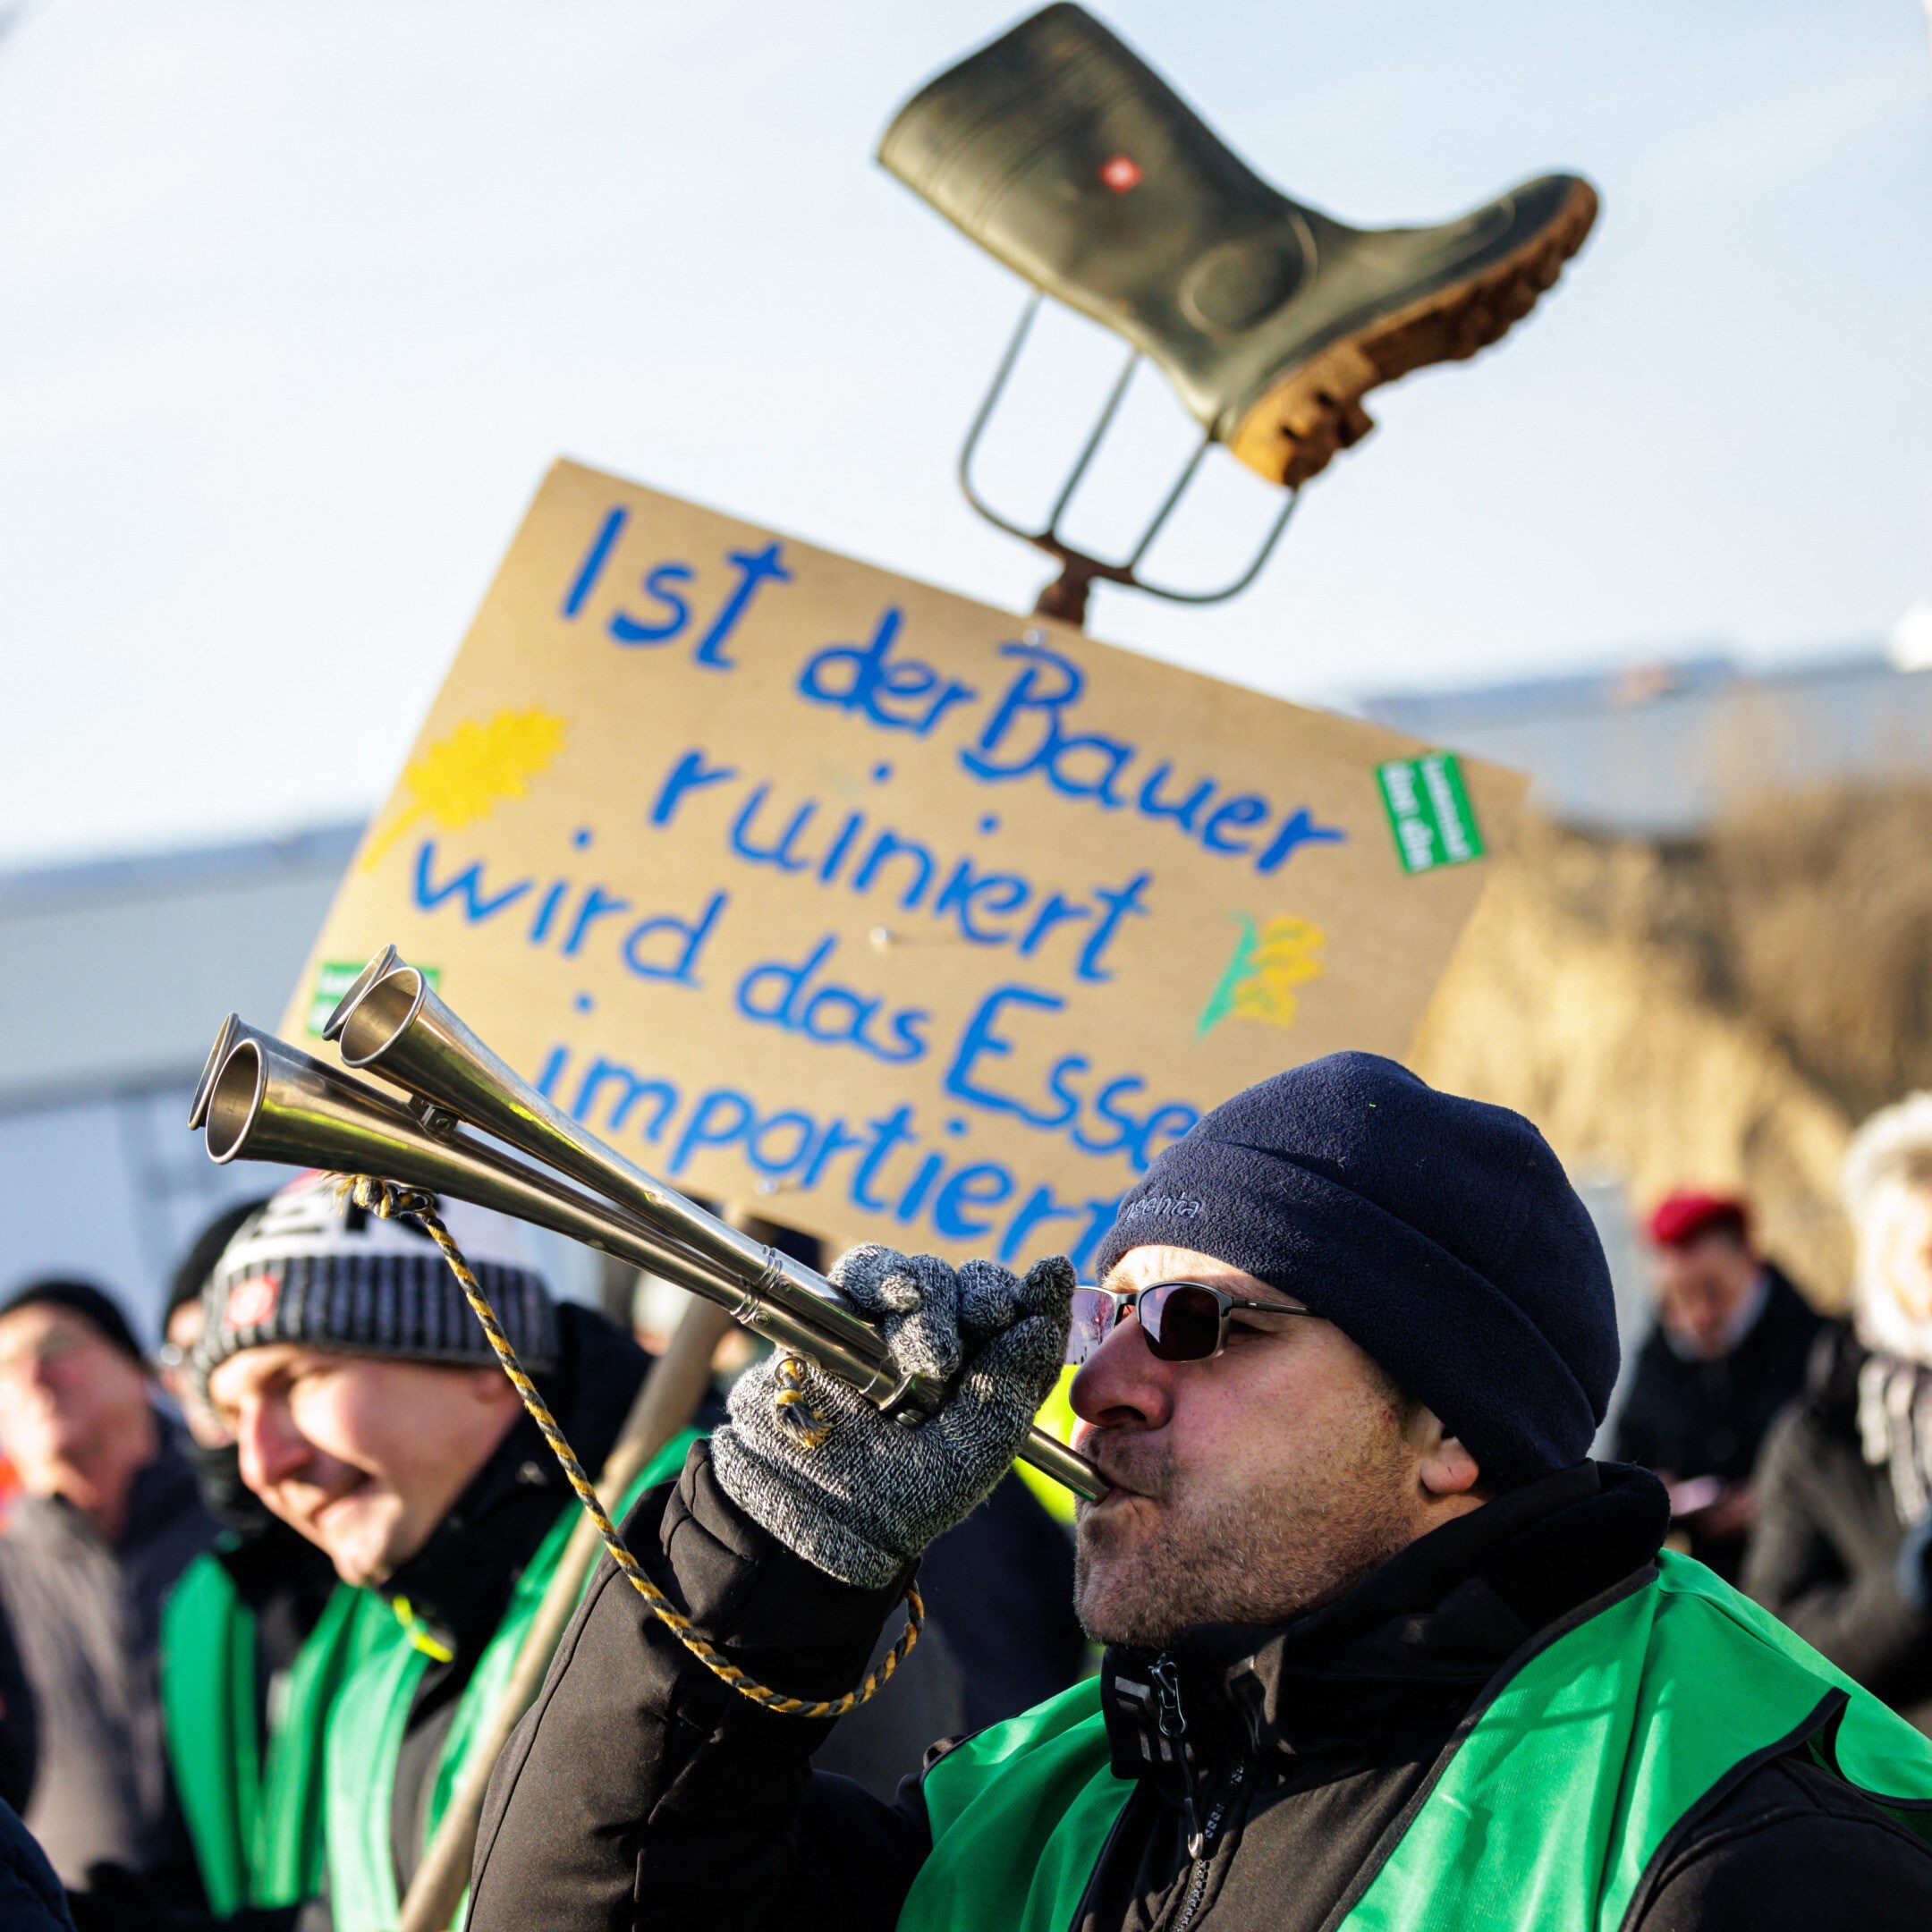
(270, 1101)
(385, 963)
(399, 1027)
(233, 1031)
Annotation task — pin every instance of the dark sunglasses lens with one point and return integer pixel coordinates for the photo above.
(1182, 1323)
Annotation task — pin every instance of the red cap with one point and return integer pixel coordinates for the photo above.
(1690, 1215)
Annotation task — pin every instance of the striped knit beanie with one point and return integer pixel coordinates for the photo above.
(311, 1267)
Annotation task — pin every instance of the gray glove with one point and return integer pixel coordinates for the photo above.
(873, 1492)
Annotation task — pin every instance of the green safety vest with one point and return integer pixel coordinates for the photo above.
(372, 1714)
(1545, 1819)
(253, 1807)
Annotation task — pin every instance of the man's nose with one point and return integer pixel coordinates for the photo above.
(271, 1449)
(1123, 1384)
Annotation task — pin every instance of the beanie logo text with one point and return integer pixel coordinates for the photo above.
(251, 1301)
(1185, 1206)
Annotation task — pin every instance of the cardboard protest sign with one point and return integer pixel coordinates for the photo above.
(807, 884)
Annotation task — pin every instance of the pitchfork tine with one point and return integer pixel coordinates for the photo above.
(1066, 596)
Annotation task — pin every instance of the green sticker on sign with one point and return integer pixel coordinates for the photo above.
(333, 979)
(1429, 811)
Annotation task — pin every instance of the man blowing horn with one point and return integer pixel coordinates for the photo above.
(1384, 1648)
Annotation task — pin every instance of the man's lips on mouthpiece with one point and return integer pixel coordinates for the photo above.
(1101, 1448)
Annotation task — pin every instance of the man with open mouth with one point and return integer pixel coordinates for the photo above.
(1384, 1647)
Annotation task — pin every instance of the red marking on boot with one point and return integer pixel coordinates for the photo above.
(1121, 174)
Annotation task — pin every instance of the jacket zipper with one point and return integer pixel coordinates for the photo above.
(1172, 1722)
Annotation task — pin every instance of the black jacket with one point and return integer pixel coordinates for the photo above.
(641, 1790)
(1824, 1556)
(282, 1577)
(459, 1584)
(81, 1737)
(1686, 1418)
(286, 1583)
(999, 1588)
(30, 1896)
(1001, 1636)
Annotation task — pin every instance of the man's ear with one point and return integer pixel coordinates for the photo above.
(1444, 1467)
(493, 1389)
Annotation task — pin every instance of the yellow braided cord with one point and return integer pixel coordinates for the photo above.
(389, 1200)
(796, 1417)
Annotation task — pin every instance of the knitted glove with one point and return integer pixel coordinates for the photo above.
(875, 1491)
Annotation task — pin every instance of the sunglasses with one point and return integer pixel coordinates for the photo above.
(1181, 1320)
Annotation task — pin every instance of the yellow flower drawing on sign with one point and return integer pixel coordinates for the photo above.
(1268, 962)
(465, 776)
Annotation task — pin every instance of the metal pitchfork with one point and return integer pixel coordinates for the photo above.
(1066, 597)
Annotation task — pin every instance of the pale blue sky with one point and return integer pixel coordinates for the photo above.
(297, 301)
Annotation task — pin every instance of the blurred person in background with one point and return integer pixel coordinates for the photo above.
(256, 1638)
(1844, 1487)
(1727, 1352)
(370, 1415)
(109, 1516)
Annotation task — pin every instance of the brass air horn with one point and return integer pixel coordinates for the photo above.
(260, 1099)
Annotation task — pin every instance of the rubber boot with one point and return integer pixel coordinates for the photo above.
(1059, 151)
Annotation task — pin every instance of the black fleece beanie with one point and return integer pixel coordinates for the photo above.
(1440, 1234)
(93, 1305)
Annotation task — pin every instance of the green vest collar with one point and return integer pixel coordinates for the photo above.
(372, 1716)
(1593, 1748)
(253, 1804)
(1444, 1614)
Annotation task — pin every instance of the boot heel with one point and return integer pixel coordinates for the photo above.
(1305, 417)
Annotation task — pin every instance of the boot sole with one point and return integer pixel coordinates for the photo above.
(1314, 411)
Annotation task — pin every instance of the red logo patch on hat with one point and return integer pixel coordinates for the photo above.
(251, 1301)
(1121, 173)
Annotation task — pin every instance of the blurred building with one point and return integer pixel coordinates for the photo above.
(118, 972)
(1658, 750)
(1582, 1003)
